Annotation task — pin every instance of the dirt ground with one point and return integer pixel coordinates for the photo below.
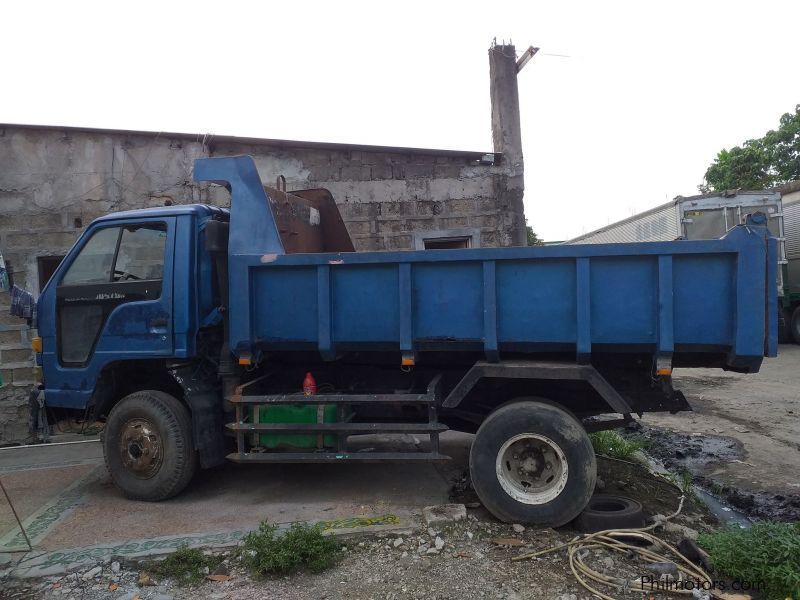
(468, 562)
(743, 436)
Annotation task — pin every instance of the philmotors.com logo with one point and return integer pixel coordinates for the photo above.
(656, 584)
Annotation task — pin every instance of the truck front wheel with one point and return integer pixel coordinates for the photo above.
(533, 463)
(147, 444)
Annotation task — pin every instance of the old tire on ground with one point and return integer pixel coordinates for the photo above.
(606, 511)
(795, 325)
(147, 443)
(532, 462)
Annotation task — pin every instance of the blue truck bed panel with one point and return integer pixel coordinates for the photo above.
(655, 295)
(690, 297)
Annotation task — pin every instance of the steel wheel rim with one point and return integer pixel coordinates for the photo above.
(531, 468)
(140, 448)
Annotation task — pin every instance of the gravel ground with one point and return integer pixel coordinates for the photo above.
(469, 565)
(458, 560)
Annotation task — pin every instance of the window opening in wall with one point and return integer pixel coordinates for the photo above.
(446, 239)
(447, 243)
(47, 266)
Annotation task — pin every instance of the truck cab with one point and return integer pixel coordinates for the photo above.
(136, 287)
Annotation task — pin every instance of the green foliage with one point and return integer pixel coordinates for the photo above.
(612, 444)
(686, 483)
(533, 239)
(302, 546)
(186, 566)
(767, 552)
(759, 163)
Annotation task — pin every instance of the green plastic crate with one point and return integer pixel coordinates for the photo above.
(294, 413)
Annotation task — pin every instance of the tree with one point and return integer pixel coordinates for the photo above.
(533, 239)
(759, 163)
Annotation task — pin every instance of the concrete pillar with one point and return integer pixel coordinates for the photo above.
(507, 138)
(505, 105)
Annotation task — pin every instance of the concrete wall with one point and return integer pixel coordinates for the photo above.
(16, 372)
(55, 181)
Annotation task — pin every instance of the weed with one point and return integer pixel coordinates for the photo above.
(612, 444)
(766, 554)
(302, 546)
(186, 566)
(684, 481)
(716, 489)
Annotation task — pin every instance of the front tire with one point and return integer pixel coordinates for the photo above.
(533, 463)
(147, 443)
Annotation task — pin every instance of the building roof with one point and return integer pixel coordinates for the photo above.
(210, 139)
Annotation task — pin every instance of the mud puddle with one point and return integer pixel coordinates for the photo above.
(699, 454)
(682, 452)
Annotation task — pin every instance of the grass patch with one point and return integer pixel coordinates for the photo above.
(612, 444)
(265, 552)
(767, 553)
(186, 566)
(683, 480)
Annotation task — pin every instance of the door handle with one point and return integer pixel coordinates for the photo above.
(158, 325)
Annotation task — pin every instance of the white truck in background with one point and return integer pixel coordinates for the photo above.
(711, 216)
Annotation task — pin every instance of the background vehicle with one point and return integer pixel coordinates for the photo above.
(711, 216)
(790, 300)
(186, 323)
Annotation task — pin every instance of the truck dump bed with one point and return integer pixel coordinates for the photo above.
(698, 302)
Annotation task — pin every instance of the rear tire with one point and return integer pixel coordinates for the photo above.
(533, 463)
(147, 443)
(795, 325)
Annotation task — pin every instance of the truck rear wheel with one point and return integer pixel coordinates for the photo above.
(147, 444)
(533, 463)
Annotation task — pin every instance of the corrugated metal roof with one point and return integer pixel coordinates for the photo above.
(616, 224)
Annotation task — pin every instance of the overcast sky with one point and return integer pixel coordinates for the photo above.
(649, 94)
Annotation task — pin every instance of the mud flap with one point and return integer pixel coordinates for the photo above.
(205, 404)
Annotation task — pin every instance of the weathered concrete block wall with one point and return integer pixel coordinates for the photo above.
(16, 372)
(55, 181)
(384, 197)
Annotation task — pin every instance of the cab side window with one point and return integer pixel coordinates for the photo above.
(93, 264)
(141, 252)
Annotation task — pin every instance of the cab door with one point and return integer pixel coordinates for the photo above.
(114, 301)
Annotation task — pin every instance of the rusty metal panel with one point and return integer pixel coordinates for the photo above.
(335, 237)
(298, 222)
(309, 221)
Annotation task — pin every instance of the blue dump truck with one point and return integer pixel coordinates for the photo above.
(202, 334)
